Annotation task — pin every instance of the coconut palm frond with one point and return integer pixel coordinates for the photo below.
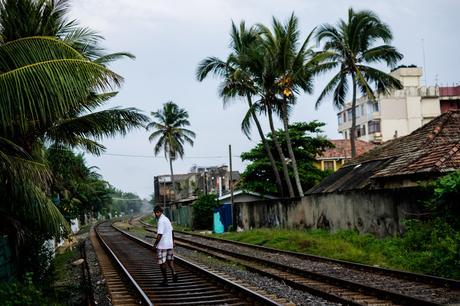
(97, 125)
(108, 58)
(27, 91)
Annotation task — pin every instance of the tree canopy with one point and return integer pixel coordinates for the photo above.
(307, 144)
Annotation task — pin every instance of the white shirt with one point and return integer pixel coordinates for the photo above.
(165, 229)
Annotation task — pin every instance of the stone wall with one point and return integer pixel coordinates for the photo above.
(377, 212)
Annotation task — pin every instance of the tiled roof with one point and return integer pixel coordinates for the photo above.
(434, 148)
(342, 149)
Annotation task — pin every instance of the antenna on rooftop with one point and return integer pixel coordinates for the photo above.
(424, 63)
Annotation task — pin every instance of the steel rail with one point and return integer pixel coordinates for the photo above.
(427, 279)
(394, 296)
(252, 294)
(133, 282)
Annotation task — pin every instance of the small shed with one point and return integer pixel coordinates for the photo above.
(223, 215)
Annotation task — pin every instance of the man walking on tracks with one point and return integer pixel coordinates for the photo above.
(164, 245)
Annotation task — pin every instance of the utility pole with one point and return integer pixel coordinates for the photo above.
(231, 187)
(231, 177)
(205, 183)
(164, 193)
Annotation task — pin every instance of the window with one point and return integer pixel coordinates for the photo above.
(374, 126)
(349, 114)
(344, 116)
(375, 106)
(339, 118)
(328, 165)
(363, 130)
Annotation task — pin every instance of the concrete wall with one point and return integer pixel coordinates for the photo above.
(380, 212)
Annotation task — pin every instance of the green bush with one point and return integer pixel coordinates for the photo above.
(435, 247)
(203, 210)
(444, 203)
(21, 293)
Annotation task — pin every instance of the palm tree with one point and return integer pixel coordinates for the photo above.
(168, 125)
(238, 81)
(350, 46)
(38, 83)
(291, 67)
(50, 86)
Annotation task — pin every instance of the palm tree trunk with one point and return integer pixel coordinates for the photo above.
(279, 183)
(280, 152)
(353, 118)
(172, 180)
(289, 146)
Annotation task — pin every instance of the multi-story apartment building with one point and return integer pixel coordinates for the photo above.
(401, 112)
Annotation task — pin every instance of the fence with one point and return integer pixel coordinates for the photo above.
(183, 216)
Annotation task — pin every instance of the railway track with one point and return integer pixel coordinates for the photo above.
(338, 281)
(196, 286)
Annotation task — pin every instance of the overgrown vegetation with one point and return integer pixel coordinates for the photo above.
(203, 211)
(22, 293)
(58, 283)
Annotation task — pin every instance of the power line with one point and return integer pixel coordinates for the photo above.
(152, 156)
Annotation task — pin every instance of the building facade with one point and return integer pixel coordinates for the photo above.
(401, 112)
(200, 180)
(334, 158)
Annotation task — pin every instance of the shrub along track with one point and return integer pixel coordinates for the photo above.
(338, 281)
(196, 286)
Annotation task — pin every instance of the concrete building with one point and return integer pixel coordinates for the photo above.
(401, 112)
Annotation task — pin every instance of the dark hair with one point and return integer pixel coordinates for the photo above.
(158, 208)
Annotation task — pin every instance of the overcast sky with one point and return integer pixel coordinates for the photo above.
(170, 37)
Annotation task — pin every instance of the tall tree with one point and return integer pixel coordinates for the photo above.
(238, 81)
(307, 144)
(39, 84)
(292, 63)
(169, 127)
(351, 46)
(49, 76)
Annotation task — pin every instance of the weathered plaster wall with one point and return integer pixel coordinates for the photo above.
(377, 212)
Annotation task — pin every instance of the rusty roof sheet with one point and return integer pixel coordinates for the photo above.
(350, 177)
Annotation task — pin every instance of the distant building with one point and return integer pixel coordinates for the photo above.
(334, 158)
(214, 179)
(401, 112)
(427, 153)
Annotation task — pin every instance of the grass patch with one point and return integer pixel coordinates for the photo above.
(391, 252)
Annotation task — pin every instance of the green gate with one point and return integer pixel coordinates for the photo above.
(183, 216)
